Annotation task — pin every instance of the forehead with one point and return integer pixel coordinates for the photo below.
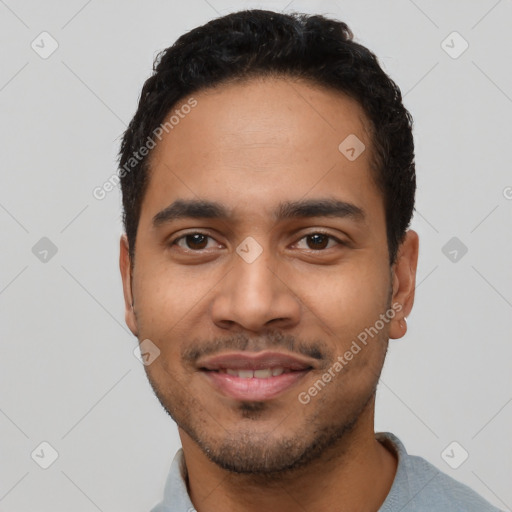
(255, 143)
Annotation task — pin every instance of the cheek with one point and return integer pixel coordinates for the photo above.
(345, 298)
(167, 293)
(163, 303)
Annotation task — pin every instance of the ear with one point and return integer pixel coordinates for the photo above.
(126, 275)
(403, 274)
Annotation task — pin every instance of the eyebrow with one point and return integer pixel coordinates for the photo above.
(203, 209)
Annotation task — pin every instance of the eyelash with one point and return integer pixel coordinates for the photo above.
(331, 237)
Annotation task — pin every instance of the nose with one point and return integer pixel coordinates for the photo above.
(255, 296)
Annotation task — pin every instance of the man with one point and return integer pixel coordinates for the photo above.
(268, 184)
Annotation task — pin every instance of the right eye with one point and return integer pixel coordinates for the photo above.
(192, 242)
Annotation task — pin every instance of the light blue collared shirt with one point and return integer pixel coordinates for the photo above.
(418, 487)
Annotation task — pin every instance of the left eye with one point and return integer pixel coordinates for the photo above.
(199, 241)
(319, 241)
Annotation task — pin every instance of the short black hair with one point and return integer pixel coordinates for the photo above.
(259, 43)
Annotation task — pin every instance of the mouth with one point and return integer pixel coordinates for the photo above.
(254, 376)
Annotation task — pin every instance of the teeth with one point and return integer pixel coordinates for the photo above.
(258, 374)
(262, 374)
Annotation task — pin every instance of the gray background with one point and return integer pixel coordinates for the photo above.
(68, 375)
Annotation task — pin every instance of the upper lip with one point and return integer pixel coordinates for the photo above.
(255, 361)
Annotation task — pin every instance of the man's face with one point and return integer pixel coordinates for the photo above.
(282, 295)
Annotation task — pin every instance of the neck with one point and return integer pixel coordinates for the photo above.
(355, 474)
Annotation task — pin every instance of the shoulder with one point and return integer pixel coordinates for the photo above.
(420, 486)
(439, 491)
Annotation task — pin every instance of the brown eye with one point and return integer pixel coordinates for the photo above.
(320, 241)
(196, 241)
(192, 241)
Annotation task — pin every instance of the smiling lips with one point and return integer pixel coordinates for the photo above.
(254, 376)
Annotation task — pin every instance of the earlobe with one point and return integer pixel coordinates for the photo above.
(404, 283)
(402, 323)
(127, 278)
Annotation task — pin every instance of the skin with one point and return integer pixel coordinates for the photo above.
(250, 146)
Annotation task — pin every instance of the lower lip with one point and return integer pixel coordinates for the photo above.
(253, 388)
